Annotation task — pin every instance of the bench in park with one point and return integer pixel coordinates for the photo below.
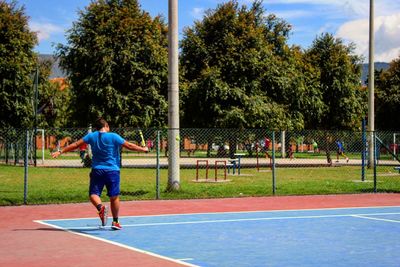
(233, 163)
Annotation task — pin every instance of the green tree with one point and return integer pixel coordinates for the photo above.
(239, 72)
(54, 98)
(388, 97)
(17, 65)
(116, 60)
(339, 79)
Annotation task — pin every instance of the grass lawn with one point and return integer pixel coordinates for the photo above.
(66, 185)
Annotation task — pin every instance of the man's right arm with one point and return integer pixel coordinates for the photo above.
(132, 146)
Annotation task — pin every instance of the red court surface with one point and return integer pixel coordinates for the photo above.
(27, 243)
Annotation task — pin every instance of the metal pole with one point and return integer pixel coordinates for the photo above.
(283, 144)
(43, 146)
(374, 156)
(394, 145)
(273, 164)
(26, 167)
(158, 166)
(35, 112)
(371, 99)
(173, 98)
(363, 152)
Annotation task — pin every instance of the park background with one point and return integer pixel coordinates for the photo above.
(238, 76)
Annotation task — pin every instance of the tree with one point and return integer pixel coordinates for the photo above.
(388, 97)
(339, 78)
(116, 60)
(17, 65)
(227, 60)
(54, 99)
(239, 72)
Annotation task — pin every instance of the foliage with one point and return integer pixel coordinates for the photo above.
(116, 60)
(388, 97)
(231, 60)
(17, 65)
(53, 98)
(339, 78)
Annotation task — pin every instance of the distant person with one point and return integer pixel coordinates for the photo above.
(328, 148)
(267, 143)
(82, 151)
(150, 144)
(290, 151)
(340, 151)
(315, 146)
(105, 148)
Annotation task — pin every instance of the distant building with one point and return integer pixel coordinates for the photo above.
(61, 81)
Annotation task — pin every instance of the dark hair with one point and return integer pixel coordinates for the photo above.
(100, 123)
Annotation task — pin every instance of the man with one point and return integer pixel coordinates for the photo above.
(267, 143)
(340, 151)
(105, 148)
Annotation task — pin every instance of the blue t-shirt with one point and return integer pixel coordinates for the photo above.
(340, 146)
(105, 149)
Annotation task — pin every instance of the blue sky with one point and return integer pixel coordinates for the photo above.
(347, 19)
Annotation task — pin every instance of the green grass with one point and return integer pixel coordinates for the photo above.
(66, 185)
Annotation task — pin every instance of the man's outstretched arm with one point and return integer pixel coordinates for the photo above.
(68, 148)
(132, 146)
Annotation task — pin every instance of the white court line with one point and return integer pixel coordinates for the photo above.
(376, 219)
(120, 245)
(225, 212)
(245, 219)
(261, 219)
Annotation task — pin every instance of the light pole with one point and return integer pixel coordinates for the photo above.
(173, 97)
(371, 90)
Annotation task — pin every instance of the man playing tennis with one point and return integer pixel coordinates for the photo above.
(105, 171)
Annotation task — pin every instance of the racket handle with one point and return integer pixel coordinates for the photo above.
(142, 142)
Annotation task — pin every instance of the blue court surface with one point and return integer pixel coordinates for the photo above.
(323, 237)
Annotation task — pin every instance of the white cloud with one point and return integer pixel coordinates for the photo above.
(45, 30)
(293, 14)
(387, 36)
(349, 8)
(197, 12)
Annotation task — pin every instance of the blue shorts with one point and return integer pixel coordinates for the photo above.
(101, 178)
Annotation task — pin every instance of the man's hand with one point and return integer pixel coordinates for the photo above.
(56, 154)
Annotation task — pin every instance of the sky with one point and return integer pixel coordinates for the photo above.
(345, 19)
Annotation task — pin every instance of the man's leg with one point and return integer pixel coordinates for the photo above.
(95, 199)
(101, 209)
(114, 206)
(115, 211)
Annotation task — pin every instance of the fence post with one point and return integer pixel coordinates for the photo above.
(364, 150)
(273, 164)
(158, 165)
(26, 167)
(373, 134)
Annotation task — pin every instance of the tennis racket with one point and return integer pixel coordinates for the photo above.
(142, 142)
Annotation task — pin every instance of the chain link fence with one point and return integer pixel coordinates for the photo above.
(213, 163)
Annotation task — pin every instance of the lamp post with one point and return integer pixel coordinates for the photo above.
(173, 98)
(371, 88)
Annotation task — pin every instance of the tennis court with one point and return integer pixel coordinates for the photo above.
(361, 236)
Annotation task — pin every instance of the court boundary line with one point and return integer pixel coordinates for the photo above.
(244, 220)
(119, 244)
(222, 212)
(376, 219)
